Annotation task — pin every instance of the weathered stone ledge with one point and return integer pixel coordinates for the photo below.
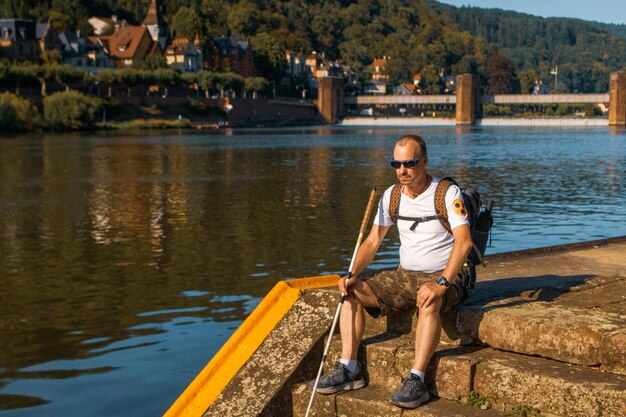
(567, 303)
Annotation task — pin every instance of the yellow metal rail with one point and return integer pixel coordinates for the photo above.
(208, 384)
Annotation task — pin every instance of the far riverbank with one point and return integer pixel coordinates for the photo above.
(487, 121)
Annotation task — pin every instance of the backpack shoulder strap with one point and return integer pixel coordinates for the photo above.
(394, 202)
(440, 201)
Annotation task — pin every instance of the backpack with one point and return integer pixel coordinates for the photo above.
(479, 222)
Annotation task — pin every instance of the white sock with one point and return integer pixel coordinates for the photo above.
(349, 364)
(421, 374)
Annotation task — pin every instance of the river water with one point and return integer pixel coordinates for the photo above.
(127, 261)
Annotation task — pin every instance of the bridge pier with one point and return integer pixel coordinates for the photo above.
(330, 98)
(467, 99)
(617, 99)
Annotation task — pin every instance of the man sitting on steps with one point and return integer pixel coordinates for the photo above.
(428, 275)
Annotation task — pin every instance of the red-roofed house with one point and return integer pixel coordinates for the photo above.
(129, 46)
(404, 90)
(379, 69)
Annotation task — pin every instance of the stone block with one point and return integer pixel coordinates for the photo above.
(368, 402)
(539, 328)
(613, 352)
(552, 387)
(290, 354)
(323, 405)
(374, 402)
(450, 374)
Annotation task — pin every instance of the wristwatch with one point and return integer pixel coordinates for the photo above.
(443, 281)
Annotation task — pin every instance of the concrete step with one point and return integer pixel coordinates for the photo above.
(374, 402)
(551, 322)
(553, 387)
(505, 379)
(567, 334)
(388, 358)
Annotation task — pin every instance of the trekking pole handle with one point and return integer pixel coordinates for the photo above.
(489, 205)
(366, 217)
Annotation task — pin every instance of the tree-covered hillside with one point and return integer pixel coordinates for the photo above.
(418, 35)
(583, 51)
(613, 29)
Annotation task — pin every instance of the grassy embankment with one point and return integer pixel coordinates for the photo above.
(71, 111)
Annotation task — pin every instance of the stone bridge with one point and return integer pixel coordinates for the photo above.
(468, 102)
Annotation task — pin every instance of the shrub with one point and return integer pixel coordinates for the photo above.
(497, 110)
(478, 401)
(17, 113)
(8, 118)
(198, 105)
(525, 411)
(139, 124)
(70, 110)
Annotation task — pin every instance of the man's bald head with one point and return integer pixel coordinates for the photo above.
(413, 139)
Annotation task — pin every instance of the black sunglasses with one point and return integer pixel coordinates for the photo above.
(408, 164)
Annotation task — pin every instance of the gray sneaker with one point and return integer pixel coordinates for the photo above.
(412, 394)
(340, 379)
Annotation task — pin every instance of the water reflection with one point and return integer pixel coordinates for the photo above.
(128, 260)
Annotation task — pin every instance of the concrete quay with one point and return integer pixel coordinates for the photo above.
(543, 333)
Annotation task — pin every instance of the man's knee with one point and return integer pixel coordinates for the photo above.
(364, 295)
(433, 308)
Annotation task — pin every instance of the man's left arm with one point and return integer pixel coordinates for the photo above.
(461, 248)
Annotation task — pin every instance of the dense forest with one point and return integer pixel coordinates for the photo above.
(509, 50)
(583, 51)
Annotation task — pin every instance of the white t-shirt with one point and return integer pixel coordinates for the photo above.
(427, 248)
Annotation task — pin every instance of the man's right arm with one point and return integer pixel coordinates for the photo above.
(366, 253)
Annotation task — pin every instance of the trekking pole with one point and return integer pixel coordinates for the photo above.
(370, 203)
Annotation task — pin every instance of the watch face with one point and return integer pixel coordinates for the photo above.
(442, 281)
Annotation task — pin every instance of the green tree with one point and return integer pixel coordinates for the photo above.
(207, 81)
(129, 77)
(213, 18)
(69, 110)
(229, 81)
(186, 23)
(51, 57)
(255, 85)
(466, 65)
(527, 80)
(269, 56)
(355, 54)
(21, 73)
(431, 79)
(166, 78)
(17, 113)
(190, 80)
(66, 74)
(108, 77)
(327, 27)
(243, 18)
(59, 21)
(154, 62)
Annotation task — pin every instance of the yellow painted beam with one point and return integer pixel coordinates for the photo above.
(208, 384)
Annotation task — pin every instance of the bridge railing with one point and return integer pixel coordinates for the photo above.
(544, 98)
(492, 99)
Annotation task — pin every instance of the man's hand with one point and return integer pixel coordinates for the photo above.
(345, 284)
(428, 293)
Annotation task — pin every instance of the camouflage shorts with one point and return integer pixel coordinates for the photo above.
(396, 290)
